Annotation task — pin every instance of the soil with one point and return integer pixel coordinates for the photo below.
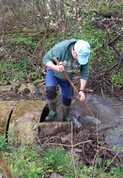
(84, 142)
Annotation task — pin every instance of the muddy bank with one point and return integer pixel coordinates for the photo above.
(83, 142)
(107, 121)
(108, 115)
(102, 133)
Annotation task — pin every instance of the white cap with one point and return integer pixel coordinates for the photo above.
(82, 48)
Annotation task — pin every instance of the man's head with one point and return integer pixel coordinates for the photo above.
(81, 51)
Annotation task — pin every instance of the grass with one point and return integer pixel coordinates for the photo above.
(34, 164)
(30, 162)
(3, 144)
(18, 39)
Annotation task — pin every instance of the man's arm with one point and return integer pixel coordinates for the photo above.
(58, 67)
(84, 72)
(82, 84)
(81, 91)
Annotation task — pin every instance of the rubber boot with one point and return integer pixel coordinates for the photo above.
(66, 110)
(52, 107)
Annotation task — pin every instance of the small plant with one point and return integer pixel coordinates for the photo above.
(3, 144)
(57, 160)
(117, 79)
(18, 39)
(117, 171)
(26, 163)
(17, 71)
(34, 165)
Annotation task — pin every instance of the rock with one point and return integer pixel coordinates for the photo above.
(23, 89)
(5, 108)
(38, 82)
(31, 88)
(15, 86)
(24, 127)
(27, 88)
(90, 120)
(5, 88)
(3, 52)
(1, 175)
(25, 115)
(66, 137)
(77, 150)
(114, 137)
(52, 128)
(56, 175)
(40, 90)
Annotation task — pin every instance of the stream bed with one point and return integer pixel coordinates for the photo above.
(107, 118)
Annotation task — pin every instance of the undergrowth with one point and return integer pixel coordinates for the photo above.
(27, 162)
(18, 68)
(30, 162)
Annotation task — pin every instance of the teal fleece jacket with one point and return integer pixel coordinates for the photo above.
(62, 52)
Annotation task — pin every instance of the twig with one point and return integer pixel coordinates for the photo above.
(115, 39)
(108, 149)
(80, 143)
(38, 44)
(94, 164)
(72, 151)
(106, 72)
(111, 161)
(34, 56)
(65, 145)
(97, 151)
(112, 43)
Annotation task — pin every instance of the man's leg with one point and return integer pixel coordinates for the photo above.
(51, 94)
(66, 108)
(67, 94)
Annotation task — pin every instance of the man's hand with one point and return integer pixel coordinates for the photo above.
(81, 96)
(59, 68)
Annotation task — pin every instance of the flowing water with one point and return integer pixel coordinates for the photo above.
(109, 111)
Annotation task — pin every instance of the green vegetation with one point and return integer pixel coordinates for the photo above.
(34, 164)
(16, 70)
(22, 46)
(15, 65)
(57, 160)
(3, 144)
(18, 39)
(117, 79)
(30, 162)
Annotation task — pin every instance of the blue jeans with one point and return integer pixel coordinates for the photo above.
(52, 81)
